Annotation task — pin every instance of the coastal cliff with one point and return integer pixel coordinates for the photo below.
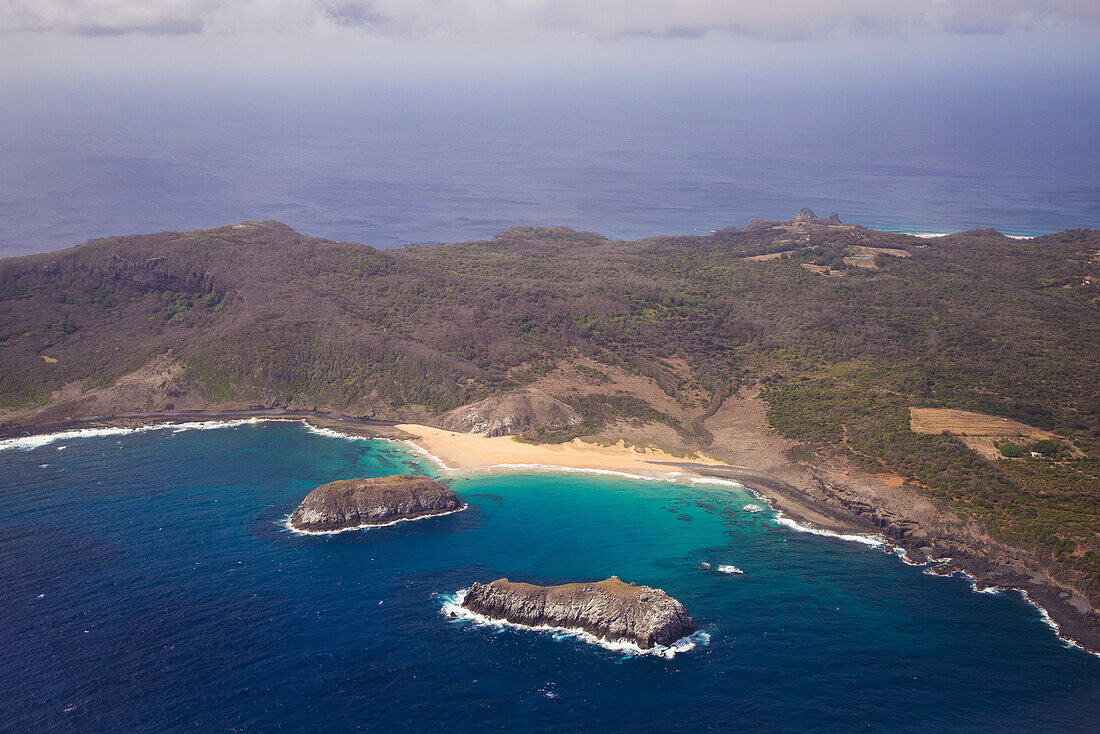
(353, 503)
(655, 342)
(610, 609)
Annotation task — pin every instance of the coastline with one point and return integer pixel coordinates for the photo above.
(934, 235)
(286, 524)
(318, 420)
(473, 453)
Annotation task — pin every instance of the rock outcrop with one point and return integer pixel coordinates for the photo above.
(510, 414)
(611, 609)
(807, 216)
(354, 503)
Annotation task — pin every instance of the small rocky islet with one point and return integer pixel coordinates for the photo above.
(611, 609)
(354, 503)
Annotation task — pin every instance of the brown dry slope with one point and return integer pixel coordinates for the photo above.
(980, 432)
(833, 495)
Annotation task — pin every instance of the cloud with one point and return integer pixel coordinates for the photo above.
(600, 19)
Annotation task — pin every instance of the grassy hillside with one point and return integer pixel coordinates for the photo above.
(844, 339)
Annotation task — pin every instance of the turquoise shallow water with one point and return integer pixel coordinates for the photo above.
(148, 583)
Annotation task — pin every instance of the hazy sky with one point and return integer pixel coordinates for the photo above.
(600, 19)
(112, 37)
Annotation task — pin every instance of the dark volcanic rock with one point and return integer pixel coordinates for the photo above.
(511, 413)
(352, 503)
(609, 609)
(807, 216)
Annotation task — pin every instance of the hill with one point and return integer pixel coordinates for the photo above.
(805, 363)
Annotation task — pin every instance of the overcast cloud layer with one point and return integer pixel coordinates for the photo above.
(601, 19)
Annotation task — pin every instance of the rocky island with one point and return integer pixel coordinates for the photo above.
(355, 503)
(864, 381)
(610, 609)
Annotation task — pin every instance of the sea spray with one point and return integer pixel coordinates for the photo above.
(310, 612)
(27, 443)
(978, 587)
(452, 609)
(288, 526)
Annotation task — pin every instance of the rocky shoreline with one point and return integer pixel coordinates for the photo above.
(828, 507)
(350, 504)
(610, 610)
(988, 563)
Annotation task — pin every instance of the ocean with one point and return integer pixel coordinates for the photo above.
(398, 163)
(149, 584)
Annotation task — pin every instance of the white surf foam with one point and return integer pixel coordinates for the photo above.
(780, 519)
(1044, 616)
(554, 469)
(452, 608)
(932, 235)
(730, 569)
(285, 522)
(673, 477)
(871, 540)
(416, 448)
(719, 482)
(904, 557)
(330, 432)
(28, 443)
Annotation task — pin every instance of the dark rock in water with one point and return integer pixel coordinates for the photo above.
(352, 503)
(609, 609)
(511, 413)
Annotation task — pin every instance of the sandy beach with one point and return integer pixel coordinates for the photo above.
(1070, 616)
(472, 452)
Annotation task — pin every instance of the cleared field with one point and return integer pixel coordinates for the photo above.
(823, 270)
(978, 431)
(769, 256)
(872, 251)
(965, 423)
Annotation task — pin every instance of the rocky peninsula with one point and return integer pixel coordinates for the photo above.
(610, 609)
(355, 503)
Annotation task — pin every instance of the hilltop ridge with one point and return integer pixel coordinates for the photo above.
(797, 349)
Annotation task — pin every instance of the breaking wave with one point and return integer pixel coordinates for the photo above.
(453, 609)
(28, 443)
(285, 523)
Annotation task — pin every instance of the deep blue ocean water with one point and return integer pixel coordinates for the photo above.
(148, 584)
(445, 162)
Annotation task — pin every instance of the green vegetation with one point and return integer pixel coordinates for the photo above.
(975, 321)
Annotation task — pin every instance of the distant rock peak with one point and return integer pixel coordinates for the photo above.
(807, 216)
